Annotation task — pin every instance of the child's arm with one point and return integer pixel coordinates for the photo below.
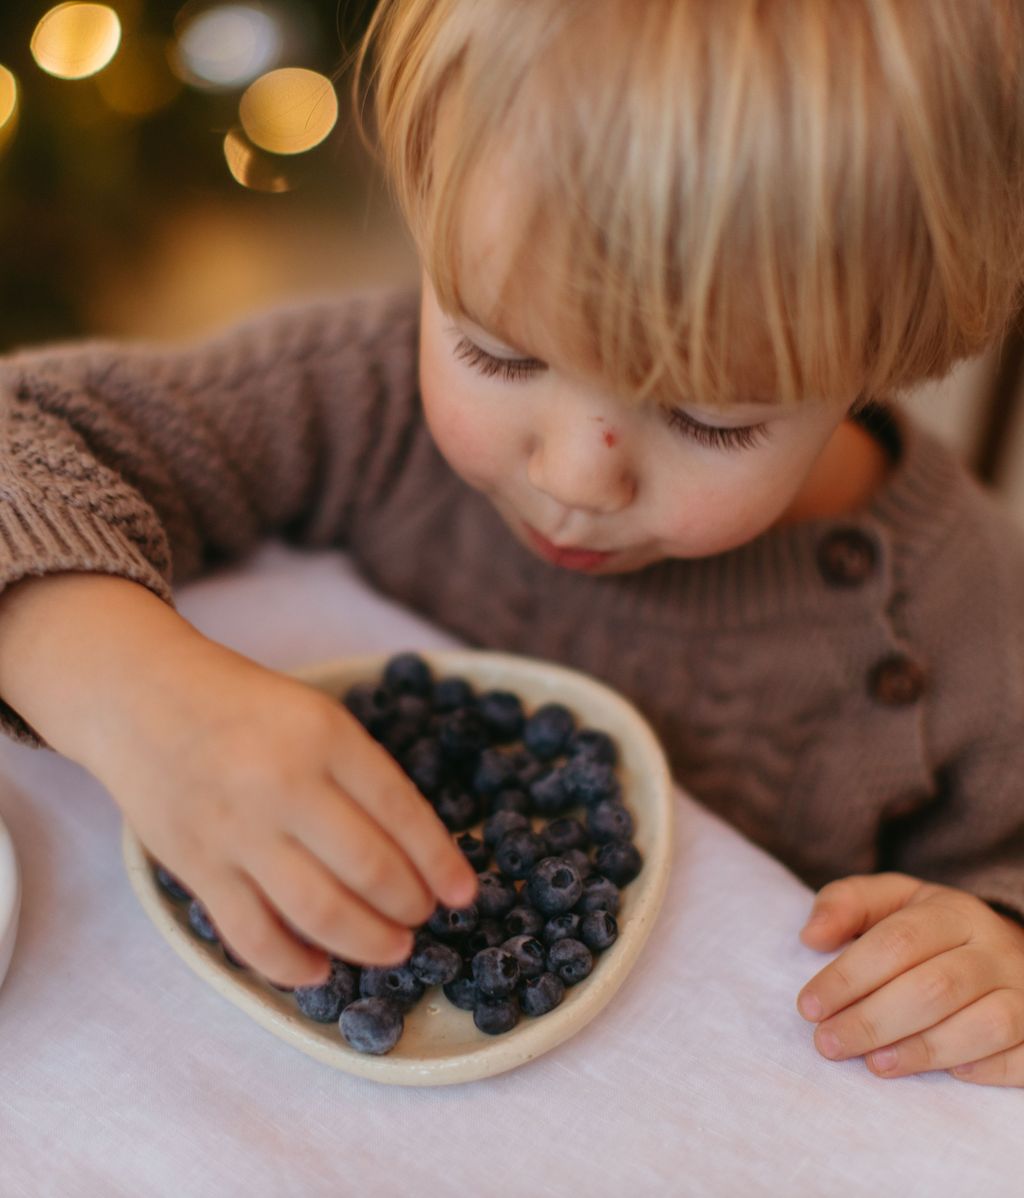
(124, 467)
(266, 798)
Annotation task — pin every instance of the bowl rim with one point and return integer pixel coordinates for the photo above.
(10, 898)
(530, 1038)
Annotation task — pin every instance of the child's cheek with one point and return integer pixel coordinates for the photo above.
(459, 428)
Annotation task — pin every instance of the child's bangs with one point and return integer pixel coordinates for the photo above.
(760, 200)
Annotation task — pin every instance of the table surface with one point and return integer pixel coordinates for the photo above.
(124, 1074)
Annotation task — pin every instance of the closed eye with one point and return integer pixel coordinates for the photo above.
(715, 437)
(510, 369)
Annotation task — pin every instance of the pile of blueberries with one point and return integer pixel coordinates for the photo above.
(549, 879)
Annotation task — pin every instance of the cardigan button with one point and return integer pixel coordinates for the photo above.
(896, 681)
(847, 557)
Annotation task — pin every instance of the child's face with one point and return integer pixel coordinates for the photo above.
(556, 454)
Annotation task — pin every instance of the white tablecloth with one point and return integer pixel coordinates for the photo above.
(122, 1073)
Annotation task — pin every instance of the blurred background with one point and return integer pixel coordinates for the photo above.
(168, 166)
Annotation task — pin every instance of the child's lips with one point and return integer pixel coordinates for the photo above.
(568, 557)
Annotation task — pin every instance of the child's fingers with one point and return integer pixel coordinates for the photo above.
(254, 932)
(989, 1031)
(361, 854)
(898, 944)
(370, 775)
(312, 901)
(849, 906)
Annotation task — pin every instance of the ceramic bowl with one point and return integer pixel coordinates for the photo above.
(10, 899)
(440, 1044)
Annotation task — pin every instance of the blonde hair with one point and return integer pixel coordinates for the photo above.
(836, 186)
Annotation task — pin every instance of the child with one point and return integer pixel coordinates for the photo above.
(678, 257)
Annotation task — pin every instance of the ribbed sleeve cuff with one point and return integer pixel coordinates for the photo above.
(69, 539)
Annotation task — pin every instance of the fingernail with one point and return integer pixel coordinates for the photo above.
(963, 1071)
(829, 1044)
(816, 920)
(810, 1007)
(884, 1059)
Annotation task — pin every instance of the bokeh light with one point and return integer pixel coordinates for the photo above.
(227, 45)
(73, 41)
(251, 167)
(289, 111)
(8, 106)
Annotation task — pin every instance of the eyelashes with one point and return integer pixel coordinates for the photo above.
(745, 437)
(513, 370)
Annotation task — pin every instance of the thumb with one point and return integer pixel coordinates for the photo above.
(846, 908)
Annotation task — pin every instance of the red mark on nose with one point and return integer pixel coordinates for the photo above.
(611, 439)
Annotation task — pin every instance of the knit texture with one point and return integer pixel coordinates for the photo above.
(847, 723)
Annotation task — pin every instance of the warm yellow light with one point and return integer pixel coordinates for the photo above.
(289, 111)
(75, 40)
(8, 96)
(251, 168)
(8, 106)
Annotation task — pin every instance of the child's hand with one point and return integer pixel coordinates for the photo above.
(277, 809)
(936, 979)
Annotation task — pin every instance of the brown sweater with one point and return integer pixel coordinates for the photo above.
(849, 693)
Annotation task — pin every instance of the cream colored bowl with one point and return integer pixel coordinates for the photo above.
(440, 1044)
(10, 899)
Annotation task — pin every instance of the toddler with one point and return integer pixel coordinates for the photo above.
(678, 260)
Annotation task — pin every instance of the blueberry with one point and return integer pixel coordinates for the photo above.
(561, 927)
(500, 824)
(529, 768)
(372, 705)
(554, 886)
(452, 693)
(590, 742)
(423, 761)
(563, 834)
(457, 808)
(588, 781)
(475, 851)
(523, 920)
(609, 820)
(489, 933)
(496, 972)
(435, 964)
(571, 960)
(170, 884)
(449, 922)
(408, 673)
(530, 954)
(201, 923)
(580, 861)
(547, 731)
(598, 930)
(511, 799)
(503, 715)
(619, 860)
(396, 982)
(496, 1015)
(539, 995)
(325, 1002)
(462, 993)
(494, 771)
(401, 734)
(599, 894)
(463, 734)
(518, 852)
(496, 897)
(548, 793)
(372, 1025)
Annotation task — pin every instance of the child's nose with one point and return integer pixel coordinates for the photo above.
(582, 469)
